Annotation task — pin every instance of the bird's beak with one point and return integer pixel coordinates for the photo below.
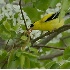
(30, 30)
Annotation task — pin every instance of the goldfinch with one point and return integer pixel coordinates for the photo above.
(50, 22)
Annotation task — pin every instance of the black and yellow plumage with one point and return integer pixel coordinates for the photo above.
(49, 22)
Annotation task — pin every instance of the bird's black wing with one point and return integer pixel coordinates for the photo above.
(54, 16)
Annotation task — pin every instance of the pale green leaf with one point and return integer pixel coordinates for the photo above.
(22, 61)
(7, 25)
(24, 38)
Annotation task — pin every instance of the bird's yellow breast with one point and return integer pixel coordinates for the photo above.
(49, 25)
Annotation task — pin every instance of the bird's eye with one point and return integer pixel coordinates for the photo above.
(31, 25)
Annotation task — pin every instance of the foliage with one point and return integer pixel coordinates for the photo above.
(18, 50)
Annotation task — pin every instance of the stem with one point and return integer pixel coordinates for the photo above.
(23, 15)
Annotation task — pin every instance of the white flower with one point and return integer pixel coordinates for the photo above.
(58, 4)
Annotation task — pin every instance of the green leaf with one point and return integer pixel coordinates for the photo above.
(27, 63)
(13, 34)
(49, 65)
(22, 61)
(16, 15)
(34, 50)
(67, 21)
(55, 66)
(18, 54)
(64, 8)
(7, 25)
(27, 1)
(15, 28)
(66, 53)
(57, 44)
(5, 35)
(54, 2)
(66, 65)
(11, 1)
(42, 4)
(32, 13)
(11, 58)
(32, 64)
(24, 38)
(13, 64)
(45, 49)
(23, 27)
(3, 54)
(29, 55)
(3, 19)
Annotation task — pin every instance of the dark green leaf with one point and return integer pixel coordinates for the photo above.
(27, 1)
(32, 13)
(49, 65)
(13, 64)
(15, 28)
(23, 27)
(66, 54)
(5, 35)
(3, 55)
(42, 4)
(16, 15)
(32, 64)
(3, 19)
(67, 21)
(27, 63)
(66, 65)
(13, 34)
(11, 1)
(54, 2)
(55, 66)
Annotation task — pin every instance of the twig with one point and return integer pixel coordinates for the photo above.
(22, 15)
(50, 56)
(47, 33)
(49, 47)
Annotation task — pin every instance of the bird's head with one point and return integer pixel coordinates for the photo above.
(35, 26)
(31, 25)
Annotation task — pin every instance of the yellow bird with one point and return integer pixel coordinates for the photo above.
(49, 22)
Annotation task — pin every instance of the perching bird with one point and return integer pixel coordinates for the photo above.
(50, 22)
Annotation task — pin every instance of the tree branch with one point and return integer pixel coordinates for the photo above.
(50, 56)
(51, 35)
(49, 47)
(47, 33)
(22, 14)
(54, 34)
